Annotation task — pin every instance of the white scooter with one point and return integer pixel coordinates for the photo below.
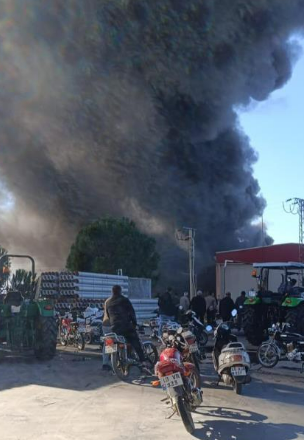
(230, 358)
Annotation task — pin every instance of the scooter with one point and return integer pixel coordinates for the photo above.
(230, 358)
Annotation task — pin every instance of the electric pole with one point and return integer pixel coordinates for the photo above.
(296, 207)
(188, 234)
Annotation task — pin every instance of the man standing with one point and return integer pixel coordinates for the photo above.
(119, 312)
(226, 307)
(211, 308)
(167, 308)
(239, 304)
(198, 305)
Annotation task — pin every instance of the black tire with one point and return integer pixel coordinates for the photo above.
(88, 338)
(79, 341)
(238, 387)
(185, 415)
(295, 318)
(150, 352)
(252, 326)
(46, 338)
(195, 360)
(268, 355)
(203, 338)
(121, 371)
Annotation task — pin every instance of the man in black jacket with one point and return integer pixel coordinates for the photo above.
(198, 305)
(226, 307)
(120, 314)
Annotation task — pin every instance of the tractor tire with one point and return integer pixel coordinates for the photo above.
(295, 318)
(253, 331)
(46, 338)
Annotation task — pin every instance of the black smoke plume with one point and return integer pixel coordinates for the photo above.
(127, 108)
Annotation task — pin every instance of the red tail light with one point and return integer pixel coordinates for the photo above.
(109, 342)
(48, 307)
(236, 358)
(190, 341)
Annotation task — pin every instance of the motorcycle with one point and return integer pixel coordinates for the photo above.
(230, 359)
(180, 380)
(123, 356)
(185, 342)
(282, 345)
(93, 325)
(198, 328)
(71, 333)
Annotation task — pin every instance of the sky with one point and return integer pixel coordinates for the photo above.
(276, 131)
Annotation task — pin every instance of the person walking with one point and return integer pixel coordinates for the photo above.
(198, 305)
(226, 307)
(211, 308)
(239, 304)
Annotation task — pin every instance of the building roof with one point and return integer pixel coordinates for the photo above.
(281, 265)
(277, 253)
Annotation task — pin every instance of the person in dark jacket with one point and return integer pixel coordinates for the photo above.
(239, 304)
(167, 308)
(198, 305)
(120, 314)
(226, 307)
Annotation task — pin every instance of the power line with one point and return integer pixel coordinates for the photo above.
(296, 207)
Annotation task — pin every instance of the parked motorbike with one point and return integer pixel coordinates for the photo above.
(282, 345)
(231, 360)
(185, 342)
(198, 328)
(71, 333)
(123, 356)
(181, 382)
(93, 325)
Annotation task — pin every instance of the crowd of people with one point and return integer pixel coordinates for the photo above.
(205, 305)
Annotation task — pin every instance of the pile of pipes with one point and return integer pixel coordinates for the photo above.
(80, 284)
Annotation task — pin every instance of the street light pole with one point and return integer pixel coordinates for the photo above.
(190, 237)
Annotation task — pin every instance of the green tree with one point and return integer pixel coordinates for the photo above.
(109, 244)
(23, 282)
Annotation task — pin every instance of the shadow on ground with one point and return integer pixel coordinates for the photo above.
(238, 424)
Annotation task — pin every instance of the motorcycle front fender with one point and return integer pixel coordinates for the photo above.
(174, 393)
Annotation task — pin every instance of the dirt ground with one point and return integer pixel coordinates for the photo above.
(71, 398)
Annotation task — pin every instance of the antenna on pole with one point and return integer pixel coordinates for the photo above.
(296, 207)
(188, 234)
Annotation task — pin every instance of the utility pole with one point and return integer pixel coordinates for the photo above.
(296, 207)
(188, 234)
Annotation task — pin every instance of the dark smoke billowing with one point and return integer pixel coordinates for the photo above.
(127, 107)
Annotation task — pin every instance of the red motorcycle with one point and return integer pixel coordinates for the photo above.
(180, 380)
(71, 333)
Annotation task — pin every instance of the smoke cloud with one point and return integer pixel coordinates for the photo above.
(127, 108)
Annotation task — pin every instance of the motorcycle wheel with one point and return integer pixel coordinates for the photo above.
(80, 342)
(63, 341)
(238, 387)
(203, 338)
(150, 352)
(88, 338)
(268, 355)
(195, 360)
(121, 370)
(185, 415)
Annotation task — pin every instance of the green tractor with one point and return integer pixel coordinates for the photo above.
(27, 322)
(270, 305)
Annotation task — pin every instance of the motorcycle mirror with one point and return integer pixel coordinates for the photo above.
(209, 328)
(180, 307)
(234, 313)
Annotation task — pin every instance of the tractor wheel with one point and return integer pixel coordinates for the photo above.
(46, 338)
(252, 326)
(295, 318)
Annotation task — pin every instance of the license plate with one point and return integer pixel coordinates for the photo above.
(172, 381)
(193, 348)
(238, 371)
(109, 349)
